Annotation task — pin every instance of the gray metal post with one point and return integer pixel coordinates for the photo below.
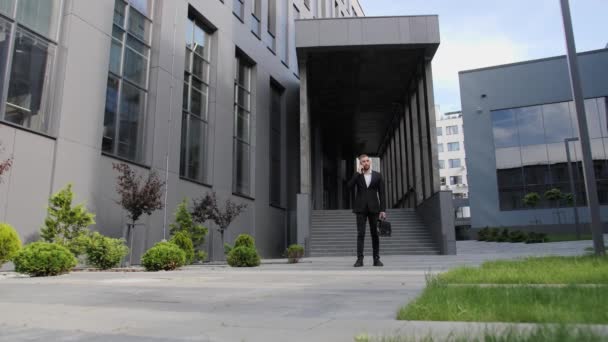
(572, 188)
(588, 171)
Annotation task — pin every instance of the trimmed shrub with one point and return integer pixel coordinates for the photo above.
(243, 256)
(493, 234)
(482, 234)
(40, 259)
(517, 236)
(244, 240)
(227, 248)
(105, 252)
(182, 240)
(503, 236)
(294, 253)
(163, 256)
(10, 243)
(200, 256)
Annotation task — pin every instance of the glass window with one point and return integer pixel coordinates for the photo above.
(504, 126)
(194, 136)
(556, 119)
(242, 119)
(439, 131)
(127, 89)
(451, 130)
(442, 164)
(453, 146)
(7, 6)
(28, 87)
(40, 16)
(530, 125)
(442, 179)
(439, 148)
(275, 145)
(454, 163)
(455, 180)
(256, 16)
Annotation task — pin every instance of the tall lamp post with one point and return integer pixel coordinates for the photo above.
(588, 171)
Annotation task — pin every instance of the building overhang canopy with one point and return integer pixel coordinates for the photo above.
(360, 72)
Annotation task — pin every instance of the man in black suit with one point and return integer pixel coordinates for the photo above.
(369, 206)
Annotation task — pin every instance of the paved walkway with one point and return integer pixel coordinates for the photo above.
(320, 299)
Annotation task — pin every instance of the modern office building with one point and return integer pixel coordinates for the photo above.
(212, 95)
(517, 118)
(452, 162)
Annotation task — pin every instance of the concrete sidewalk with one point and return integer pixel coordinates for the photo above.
(320, 299)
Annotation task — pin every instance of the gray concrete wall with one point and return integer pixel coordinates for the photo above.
(45, 164)
(438, 215)
(509, 86)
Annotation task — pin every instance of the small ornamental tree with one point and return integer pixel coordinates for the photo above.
(137, 196)
(65, 224)
(185, 223)
(207, 208)
(5, 165)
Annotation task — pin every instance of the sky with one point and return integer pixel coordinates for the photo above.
(481, 33)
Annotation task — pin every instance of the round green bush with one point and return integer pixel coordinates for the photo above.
(244, 240)
(163, 256)
(243, 256)
(294, 253)
(200, 256)
(105, 252)
(182, 240)
(10, 243)
(40, 259)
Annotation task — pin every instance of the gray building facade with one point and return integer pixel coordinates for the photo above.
(516, 120)
(212, 95)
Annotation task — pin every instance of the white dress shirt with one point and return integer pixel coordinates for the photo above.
(368, 177)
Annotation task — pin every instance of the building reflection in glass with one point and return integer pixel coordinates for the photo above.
(531, 155)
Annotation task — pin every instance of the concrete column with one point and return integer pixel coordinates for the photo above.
(399, 162)
(403, 154)
(389, 175)
(411, 172)
(424, 139)
(317, 172)
(417, 149)
(430, 101)
(305, 161)
(303, 205)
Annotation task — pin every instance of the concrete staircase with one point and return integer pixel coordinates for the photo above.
(334, 233)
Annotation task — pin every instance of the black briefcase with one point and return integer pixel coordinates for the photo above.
(384, 228)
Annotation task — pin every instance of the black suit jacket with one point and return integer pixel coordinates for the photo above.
(370, 199)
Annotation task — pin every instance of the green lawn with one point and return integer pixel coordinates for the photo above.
(560, 333)
(545, 270)
(440, 302)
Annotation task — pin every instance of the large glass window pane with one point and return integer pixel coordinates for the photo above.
(242, 163)
(454, 163)
(530, 125)
(556, 119)
(109, 121)
(201, 42)
(5, 37)
(593, 119)
(139, 26)
(200, 68)
(243, 98)
(238, 8)
(602, 104)
(119, 13)
(143, 6)
(510, 178)
(29, 77)
(115, 57)
(453, 146)
(132, 108)
(135, 67)
(189, 34)
(242, 124)
(196, 136)
(504, 126)
(40, 16)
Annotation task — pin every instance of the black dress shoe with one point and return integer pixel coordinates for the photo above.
(358, 263)
(378, 263)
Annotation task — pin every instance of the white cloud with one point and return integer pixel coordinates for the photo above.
(469, 50)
